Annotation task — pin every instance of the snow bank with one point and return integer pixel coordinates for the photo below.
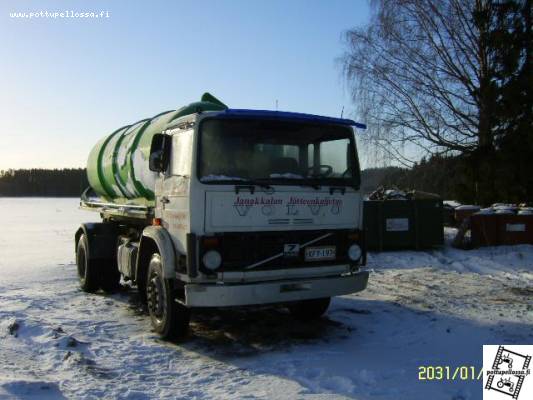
(434, 307)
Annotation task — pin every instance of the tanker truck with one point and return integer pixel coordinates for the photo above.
(208, 206)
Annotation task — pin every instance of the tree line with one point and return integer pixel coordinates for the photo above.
(67, 182)
(452, 179)
(438, 174)
(452, 80)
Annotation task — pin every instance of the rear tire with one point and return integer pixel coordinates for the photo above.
(169, 319)
(87, 268)
(307, 310)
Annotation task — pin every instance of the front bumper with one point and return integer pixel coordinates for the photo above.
(225, 295)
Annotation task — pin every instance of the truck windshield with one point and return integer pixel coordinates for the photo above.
(277, 152)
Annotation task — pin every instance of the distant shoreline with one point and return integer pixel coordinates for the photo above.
(43, 183)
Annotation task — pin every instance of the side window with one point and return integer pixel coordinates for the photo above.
(181, 155)
(335, 154)
(291, 151)
(311, 154)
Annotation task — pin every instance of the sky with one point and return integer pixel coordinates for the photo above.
(67, 82)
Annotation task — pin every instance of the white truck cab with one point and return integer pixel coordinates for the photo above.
(251, 207)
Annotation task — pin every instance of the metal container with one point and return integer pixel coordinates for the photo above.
(501, 229)
(516, 229)
(463, 212)
(485, 229)
(403, 224)
(117, 167)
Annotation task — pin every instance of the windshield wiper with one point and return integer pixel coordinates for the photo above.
(300, 181)
(250, 184)
(341, 189)
(315, 186)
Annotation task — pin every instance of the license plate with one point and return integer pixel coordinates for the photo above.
(320, 253)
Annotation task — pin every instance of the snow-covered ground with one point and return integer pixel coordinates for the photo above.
(421, 308)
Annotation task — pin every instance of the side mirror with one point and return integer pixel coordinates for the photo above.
(159, 153)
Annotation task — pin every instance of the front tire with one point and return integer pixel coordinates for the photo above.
(87, 268)
(169, 318)
(307, 310)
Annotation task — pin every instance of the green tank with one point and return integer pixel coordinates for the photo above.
(117, 167)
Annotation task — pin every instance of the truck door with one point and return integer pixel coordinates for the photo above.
(174, 192)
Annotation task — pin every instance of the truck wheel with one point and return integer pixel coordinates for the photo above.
(109, 276)
(87, 269)
(306, 310)
(169, 318)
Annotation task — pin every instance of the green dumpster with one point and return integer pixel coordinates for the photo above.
(403, 224)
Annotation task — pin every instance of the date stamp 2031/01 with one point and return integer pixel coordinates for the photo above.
(448, 373)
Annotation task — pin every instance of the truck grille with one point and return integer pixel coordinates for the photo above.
(243, 249)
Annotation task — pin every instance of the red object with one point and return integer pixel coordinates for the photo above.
(516, 229)
(461, 214)
(210, 242)
(501, 229)
(484, 230)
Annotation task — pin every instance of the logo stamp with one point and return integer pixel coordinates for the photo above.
(291, 250)
(507, 372)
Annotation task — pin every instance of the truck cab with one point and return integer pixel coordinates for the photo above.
(251, 207)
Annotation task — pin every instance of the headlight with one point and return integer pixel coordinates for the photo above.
(354, 252)
(212, 260)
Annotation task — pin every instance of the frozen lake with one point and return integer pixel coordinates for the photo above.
(421, 308)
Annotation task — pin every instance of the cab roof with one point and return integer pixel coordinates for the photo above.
(284, 115)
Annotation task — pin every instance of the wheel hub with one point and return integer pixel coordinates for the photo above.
(156, 297)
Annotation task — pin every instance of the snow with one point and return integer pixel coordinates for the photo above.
(287, 175)
(485, 211)
(435, 307)
(451, 203)
(504, 211)
(395, 194)
(214, 178)
(468, 207)
(504, 206)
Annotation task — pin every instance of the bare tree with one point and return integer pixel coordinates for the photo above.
(421, 76)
